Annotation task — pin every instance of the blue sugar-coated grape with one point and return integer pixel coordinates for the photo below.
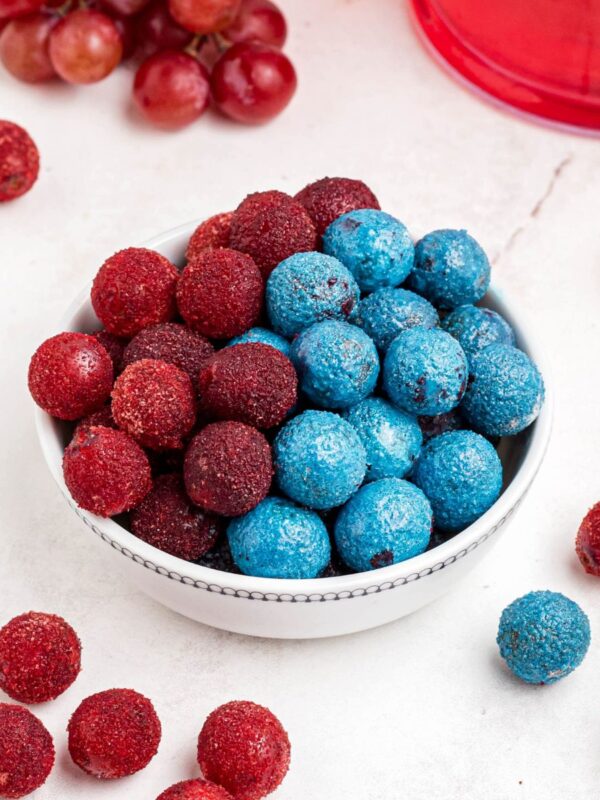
(387, 312)
(263, 336)
(475, 328)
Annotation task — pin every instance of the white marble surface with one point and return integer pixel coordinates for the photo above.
(422, 708)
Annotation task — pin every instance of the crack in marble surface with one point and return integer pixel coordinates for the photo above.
(537, 208)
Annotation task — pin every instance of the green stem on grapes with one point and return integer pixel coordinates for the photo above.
(220, 41)
(61, 11)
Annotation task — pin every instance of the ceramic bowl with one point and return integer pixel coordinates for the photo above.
(306, 608)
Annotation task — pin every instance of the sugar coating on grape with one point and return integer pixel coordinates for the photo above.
(252, 383)
(171, 342)
(102, 418)
(461, 475)
(26, 752)
(264, 336)
(392, 439)
(329, 198)
(220, 293)
(114, 733)
(543, 636)
(587, 543)
(505, 392)
(154, 402)
(337, 363)
(196, 789)
(19, 161)
(70, 375)
(40, 657)
(167, 520)
(387, 312)
(106, 472)
(228, 468)
(425, 371)
(133, 289)
(374, 246)
(244, 748)
(475, 328)
(385, 522)
(114, 346)
(270, 226)
(279, 539)
(319, 459)
(451, 269)
(212, 233)
(308, 288)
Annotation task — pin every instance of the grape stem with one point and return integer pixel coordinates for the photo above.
(221, 42)
(197, 43)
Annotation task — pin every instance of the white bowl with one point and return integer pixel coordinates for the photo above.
(305, 608)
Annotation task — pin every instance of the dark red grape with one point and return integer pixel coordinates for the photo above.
(156, 30)
(126, 28)
(171, 89)
(18, 8)
(258, 21)
(125, 8)
(204, 16)
(85, 46)
(253, 82)
(24, 48)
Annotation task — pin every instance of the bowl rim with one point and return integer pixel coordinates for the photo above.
(314, 589)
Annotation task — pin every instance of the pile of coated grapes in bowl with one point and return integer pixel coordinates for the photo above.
(311, 394)
(187, 53)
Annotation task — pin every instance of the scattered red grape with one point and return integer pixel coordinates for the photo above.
(253, 82)
(85, 46)
(26, 751)
(124, 8)
(40, 657)
(114, 734)
(206, 16)
(19, 161)
(24, 48)
(258, 21)
(587, 543)
(244, 748)
(172, 89)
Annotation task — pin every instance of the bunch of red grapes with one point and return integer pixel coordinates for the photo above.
(187, 52)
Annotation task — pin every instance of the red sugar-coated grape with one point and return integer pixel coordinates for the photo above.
(18, 8)
(26, 752)
(155, 403)
(133, 289)
(258, 21)
(171, 89)
(40, 657)
(114, 734)
(114, 346)
(157, 30)
(204, 16)
(228, 468)
(166, 519)
(220, 293)
(587, 543)
(329, 198)
(70, 375)
(441, 423)
(212, 233)
(252, 383)
(253, 82)
(85, 46)
(106, 472)
(24, 48)
(19, 161)
(271, 226)
(244, 748)
(102, 418)
(195, 790)
(173, 343)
